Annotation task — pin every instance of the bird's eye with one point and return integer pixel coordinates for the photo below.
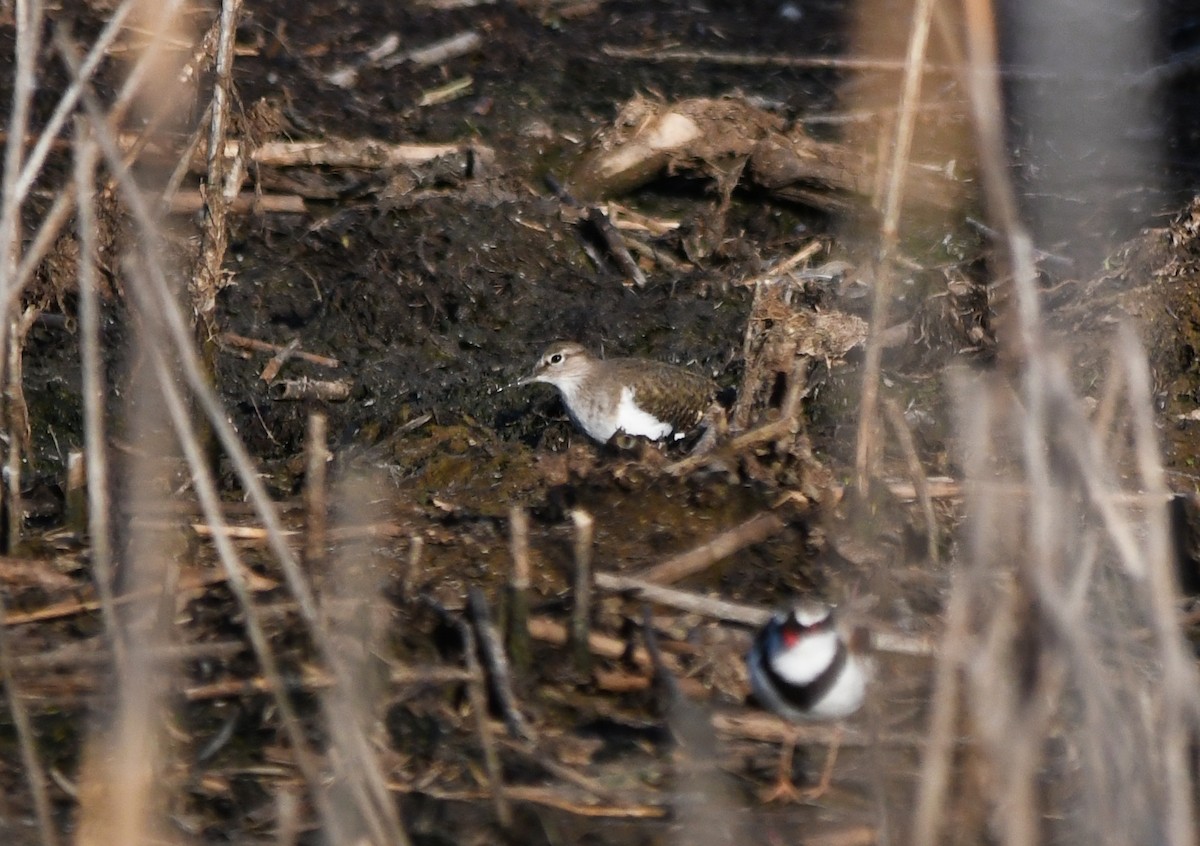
(556, 358)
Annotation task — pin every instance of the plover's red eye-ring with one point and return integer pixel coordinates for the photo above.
(790, 631)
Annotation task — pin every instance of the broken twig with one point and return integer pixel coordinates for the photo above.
(755, 530)
(496, 665)
(582, 594)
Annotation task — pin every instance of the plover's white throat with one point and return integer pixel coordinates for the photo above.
(638, 397)
(802, 668)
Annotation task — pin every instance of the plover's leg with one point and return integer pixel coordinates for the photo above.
(784, 789)
(818, 790)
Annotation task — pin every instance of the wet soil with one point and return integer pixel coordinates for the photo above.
(435, 292)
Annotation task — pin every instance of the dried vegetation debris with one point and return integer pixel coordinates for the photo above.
(1152, 281)
(1063, 622)
(729, 140)
(960, 317)
(787, 333)
(56, 277)
(458, 478)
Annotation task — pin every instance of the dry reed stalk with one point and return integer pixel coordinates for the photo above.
(1079, 719)
(741, 614)
(771, 431)
(606, 646)
(270, 371)
(357, 801)
(287, 817)
(35, 774)
(52, 222)
(1060, 662)
(581, 593)
(477, 692)
(719, 57)
(94, 390)
(516, 618)
(16, 417)
(878, 774)
(1181, 679)
(238, 580)
(908, 447)
(171, 338)
(245, 203)
(994, 707)
(704, 806)
(224, 180)
(123, 795)
(28, 19)
(937, 758)
(868, 407)
(683, 600)
(316, 493)
(154, 297)
(314, 390)
(1057, 669)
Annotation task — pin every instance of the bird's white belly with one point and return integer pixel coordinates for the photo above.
(802, 665)
(601, 415)
(846, 695)
(632, 420)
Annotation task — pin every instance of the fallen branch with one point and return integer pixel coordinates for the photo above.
(247, 202)
(324, 390)
(360, 152)
(755, 530)
(747, 615)
(496, 665)
(438, 52)
(540, 796)
(242, 342)
(683, 600)
(74, 607)
(752, 724)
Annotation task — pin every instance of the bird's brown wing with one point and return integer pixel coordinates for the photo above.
(675, 395)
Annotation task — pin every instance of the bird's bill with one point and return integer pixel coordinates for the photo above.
(531, 379)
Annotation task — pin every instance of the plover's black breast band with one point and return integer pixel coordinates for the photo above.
(802, 696)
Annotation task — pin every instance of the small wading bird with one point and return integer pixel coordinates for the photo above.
(803, 669)
(635, 396)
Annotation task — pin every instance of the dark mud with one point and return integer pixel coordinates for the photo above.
(435, 300)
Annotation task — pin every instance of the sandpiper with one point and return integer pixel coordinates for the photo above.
(802, 668)
(631, 395)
